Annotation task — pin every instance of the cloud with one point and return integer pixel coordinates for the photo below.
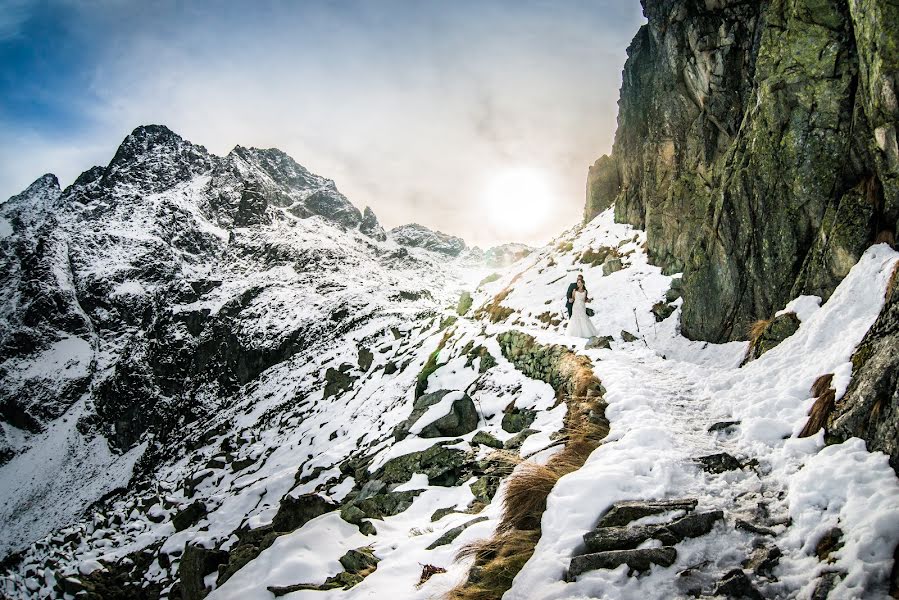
(408, 106)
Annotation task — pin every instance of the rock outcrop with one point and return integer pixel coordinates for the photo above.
(757, 146)
(870, 407)
(419, 236)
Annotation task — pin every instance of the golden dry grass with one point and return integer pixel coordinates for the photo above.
(821, 385)
(892, 284)
(756, 330)
(498, 560)
(885, 236)
(821, 409)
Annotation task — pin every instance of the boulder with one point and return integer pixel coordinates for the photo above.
(611, 265)
(627, 336)
(517, 419)
(735, 584)
(602, 342)
(485, 439)
(293, 513)
(631, 536)
(718, 463)
(196, 563)
(443, 466)
(462, 418)
(189, 516)
(638, 560)
(776, 331)
(622, 513)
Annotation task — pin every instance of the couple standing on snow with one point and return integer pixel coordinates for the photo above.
(579, 324)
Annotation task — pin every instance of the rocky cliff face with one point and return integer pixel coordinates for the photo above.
(756, 145)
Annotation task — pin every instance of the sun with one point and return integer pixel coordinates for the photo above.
(518, 201)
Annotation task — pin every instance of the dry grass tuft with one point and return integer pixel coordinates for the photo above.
(892, 284)
(821, 385)
(498, 560)
(821, 409)
(493, 310)
(885, 236)
(756, 330)
(526, 494)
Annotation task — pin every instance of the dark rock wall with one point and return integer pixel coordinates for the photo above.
(756, 144)
(870, 407)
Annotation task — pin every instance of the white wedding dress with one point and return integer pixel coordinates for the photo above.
(580, 325)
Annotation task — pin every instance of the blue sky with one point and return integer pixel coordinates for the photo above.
(410, 106)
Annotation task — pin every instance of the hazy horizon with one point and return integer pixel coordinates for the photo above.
(418, 109)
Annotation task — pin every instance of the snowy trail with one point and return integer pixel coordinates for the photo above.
(791, 491)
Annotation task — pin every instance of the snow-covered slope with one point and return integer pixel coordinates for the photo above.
(300, 386)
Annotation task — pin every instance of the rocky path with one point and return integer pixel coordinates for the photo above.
(712, 514)
(733, 500)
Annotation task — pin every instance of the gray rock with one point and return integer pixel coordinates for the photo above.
(601, 342)
(371, 227)
(463, 418)
(611, 265)
(189, 516)
(622, 513)
(485, 488)
(464, 304)
(779, 329)
(763, 560)
(366, 357)
(870, 407)
(723, 426)
(735, 584)
(638, 560)
(515, 442)
(442, 465)
(518, 419)
(293, 513)
(662, 311)
(484, 438)
(453, 533)
(359, 560)
(338, 381)
(629, 537)
(627, 336)
(196, 563)
(825, 585)
(718, 463)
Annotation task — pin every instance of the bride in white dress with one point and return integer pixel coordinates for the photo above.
(580, 325)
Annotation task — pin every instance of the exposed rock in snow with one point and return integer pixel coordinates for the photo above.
(419, 236)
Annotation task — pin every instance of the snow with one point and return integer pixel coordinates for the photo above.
(660, 409)
(5, 228)
(802, 306)
(663, 393)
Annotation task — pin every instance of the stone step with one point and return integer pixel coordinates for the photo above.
(623, 513)
(638, 560)
(628, 537)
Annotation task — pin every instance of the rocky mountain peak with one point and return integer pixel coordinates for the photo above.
(42, 193)
(419, 236)
(156, 158)
(370, 225)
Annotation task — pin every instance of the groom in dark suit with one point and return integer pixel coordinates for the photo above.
(571, 288)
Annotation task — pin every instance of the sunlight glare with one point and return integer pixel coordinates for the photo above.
(518, 201)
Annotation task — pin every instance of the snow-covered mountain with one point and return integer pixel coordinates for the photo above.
(221, 380)
(419, 236)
